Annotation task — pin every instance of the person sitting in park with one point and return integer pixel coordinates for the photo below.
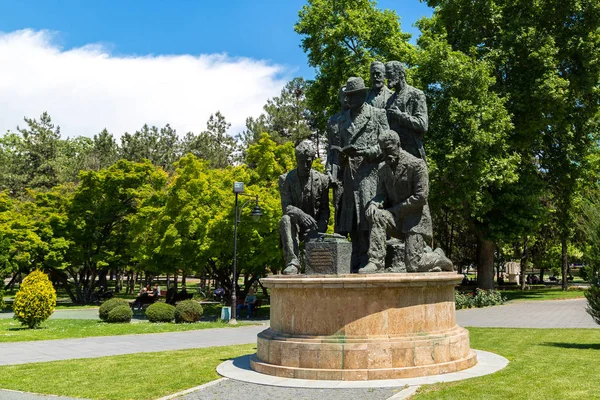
(141, 299)
(248, 303)
(219, 293)
(171, 294)
(156, 290)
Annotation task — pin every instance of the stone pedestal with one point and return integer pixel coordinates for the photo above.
(363, 327)
(330, 255)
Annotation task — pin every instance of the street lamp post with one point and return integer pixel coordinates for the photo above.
(238, 189)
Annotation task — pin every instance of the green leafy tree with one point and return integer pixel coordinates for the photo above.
(212, 144)
(35, 300)
(99, 218)
(545, 56)
(285, 118)
(160, 146)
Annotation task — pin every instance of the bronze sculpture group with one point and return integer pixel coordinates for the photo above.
(377, 169)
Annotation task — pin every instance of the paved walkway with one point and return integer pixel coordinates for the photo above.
(64, 349)
(530, 314)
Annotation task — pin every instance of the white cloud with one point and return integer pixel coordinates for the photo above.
(87, 89)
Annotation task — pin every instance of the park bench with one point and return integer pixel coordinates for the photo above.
(142, 302)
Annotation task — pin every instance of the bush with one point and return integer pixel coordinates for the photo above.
(593, 302)
(122, 313)
(462, 300)
(188, 311)
(482, 298)
(486, 298)
(160, 312)
(35, 300)
(108, 305)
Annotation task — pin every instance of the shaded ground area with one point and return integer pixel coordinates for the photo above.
(230, 389)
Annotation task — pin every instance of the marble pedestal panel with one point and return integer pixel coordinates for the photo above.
(363, 327)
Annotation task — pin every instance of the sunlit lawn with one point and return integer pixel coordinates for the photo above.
(544, 364)
(12, 331)
(132, 376)
(542, 294)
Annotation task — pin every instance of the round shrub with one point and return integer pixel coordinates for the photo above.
(35, 300)
(108, 305)
(120, 314)
(188, 311)
(2, 303)
(160, 312)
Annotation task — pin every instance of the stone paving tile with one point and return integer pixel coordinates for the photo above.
(12, 395)
(530, 314)
(232, 389)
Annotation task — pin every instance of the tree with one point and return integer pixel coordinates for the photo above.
(471, 165)
(13, 164)
(546, 59)
(341, 38)
(41, 140)
(160, 146)
(99, 221)
(212, 144)
(286, 118)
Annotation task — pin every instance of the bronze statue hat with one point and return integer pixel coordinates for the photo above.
(354, 85)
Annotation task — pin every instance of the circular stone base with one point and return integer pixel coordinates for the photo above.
(239, 369)
(363, 358)
(362, 327)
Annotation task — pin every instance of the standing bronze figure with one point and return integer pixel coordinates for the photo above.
(359, 157)
(406, 110)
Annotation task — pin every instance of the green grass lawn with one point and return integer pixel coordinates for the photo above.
(542, 294)
(12, 331)
(133, 376)
(544, 364)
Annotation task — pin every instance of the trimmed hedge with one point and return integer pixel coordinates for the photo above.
(120, 314)
(35, 300)
(160, 312)
(108, 305)
(482, 298)
(188, 311)
(2, 303)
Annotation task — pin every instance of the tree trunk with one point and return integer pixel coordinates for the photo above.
(524, 257)
(183, 280)
(565, 263)
(11, 284)
(485, 264)
(542, 270)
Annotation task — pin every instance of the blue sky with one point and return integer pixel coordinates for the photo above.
(259, 31)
